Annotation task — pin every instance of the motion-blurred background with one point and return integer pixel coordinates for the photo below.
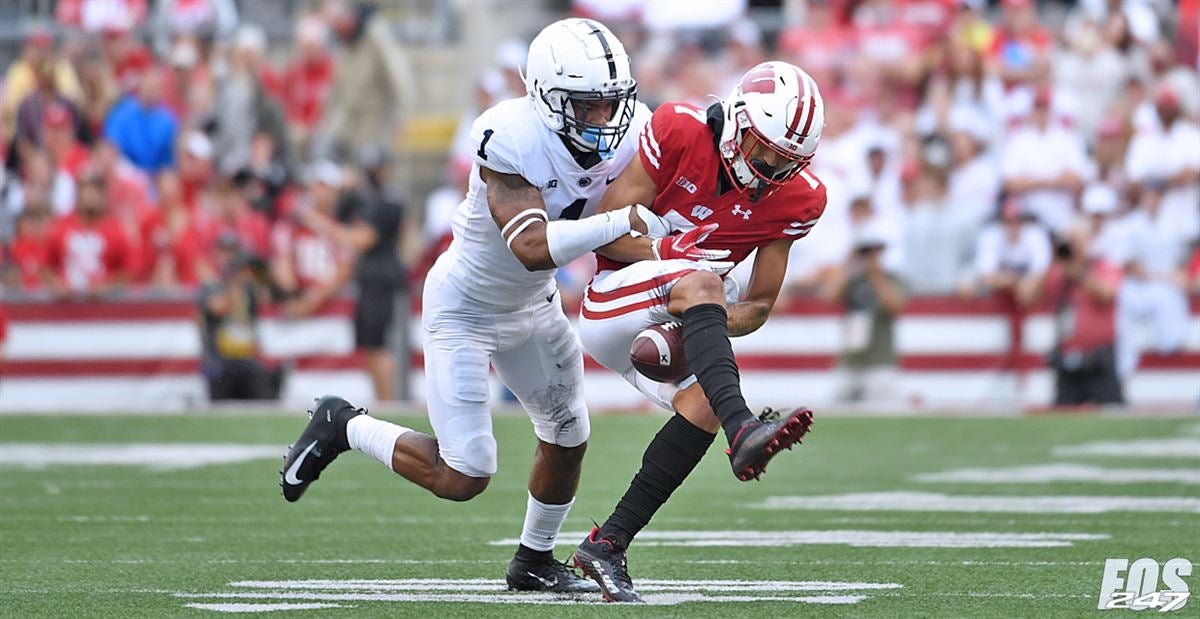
(203, 200)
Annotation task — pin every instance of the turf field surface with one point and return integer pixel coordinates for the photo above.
(872, 517)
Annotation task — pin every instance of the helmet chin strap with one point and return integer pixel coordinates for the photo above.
(747, 178)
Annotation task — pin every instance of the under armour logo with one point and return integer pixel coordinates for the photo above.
(737, 210)
(701, 212)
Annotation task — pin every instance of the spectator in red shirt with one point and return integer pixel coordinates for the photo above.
(3, 332)
(128, 188)
(89, 253)
(195, 167)
(29, 250)
(172, 248)
(233, 215)
(1193, 272)
(1082, 286)
(308, 265)
(307, 80)
(188, 85)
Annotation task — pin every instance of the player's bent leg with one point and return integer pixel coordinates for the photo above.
(459, 462)
(699, 298)
(417, 458)
(693, 406)
(546, 374)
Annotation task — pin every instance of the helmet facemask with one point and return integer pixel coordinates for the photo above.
(745, 166)
(572, 108)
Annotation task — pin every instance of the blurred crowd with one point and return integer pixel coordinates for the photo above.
(153, 147)
(1045, 152)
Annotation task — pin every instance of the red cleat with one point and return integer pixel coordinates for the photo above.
(759, 440)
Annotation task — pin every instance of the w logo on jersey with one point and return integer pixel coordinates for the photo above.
(799, 228)
(701, 212)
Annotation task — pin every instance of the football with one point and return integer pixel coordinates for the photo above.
(657, 353)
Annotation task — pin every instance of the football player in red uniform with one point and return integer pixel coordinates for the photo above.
(731, 177)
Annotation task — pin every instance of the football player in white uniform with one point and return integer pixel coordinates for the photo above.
(540, 171)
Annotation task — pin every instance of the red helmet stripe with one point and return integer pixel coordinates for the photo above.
(761, 80)
(807, 103)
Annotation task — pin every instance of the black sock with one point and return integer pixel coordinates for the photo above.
(669, 459)
(710, 355)
(525, 553)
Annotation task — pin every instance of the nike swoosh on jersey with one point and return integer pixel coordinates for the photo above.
(290, 475)
(609, 180)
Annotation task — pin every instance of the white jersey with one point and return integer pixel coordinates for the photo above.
(512, 139)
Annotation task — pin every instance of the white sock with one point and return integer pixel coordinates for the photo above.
(374, 437)
(542, 523)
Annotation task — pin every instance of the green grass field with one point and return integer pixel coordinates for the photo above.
(114, 540)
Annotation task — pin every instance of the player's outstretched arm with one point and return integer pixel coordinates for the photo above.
(633, 186)
(770, 267)
(540, 244)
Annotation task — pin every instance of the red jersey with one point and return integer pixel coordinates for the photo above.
(186, 248)
(305, 87)
(251, 228)
(1086, 324)
(85, 255)
(314, 257)
(678, 151)
(30, 254)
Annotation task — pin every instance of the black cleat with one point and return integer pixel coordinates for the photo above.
(599, 559)
(759, 440)
(550, 576)
(320, 443)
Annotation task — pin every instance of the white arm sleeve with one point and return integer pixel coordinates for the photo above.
(569, 239)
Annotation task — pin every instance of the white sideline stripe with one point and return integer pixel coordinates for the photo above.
(1048, 473)
(653, 599)
(1143, 448)
(856, 539)
(485, 584)
(178, 338)
(935, 502)
(262, 608)
(153, 456)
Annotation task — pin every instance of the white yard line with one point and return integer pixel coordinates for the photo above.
(1183, 447)
(852, 538)
(153, 456)
(1024, 504)
(1062, 472)
(654, 599)
(485, 584)
(261, 608)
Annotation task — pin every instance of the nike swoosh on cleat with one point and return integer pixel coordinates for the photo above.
(548, 583)
(290, 475)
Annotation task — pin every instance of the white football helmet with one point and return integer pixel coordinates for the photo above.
(777, 105)
(575, 64)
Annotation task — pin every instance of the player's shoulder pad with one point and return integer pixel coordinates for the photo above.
(504, 135)
(675, 126)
